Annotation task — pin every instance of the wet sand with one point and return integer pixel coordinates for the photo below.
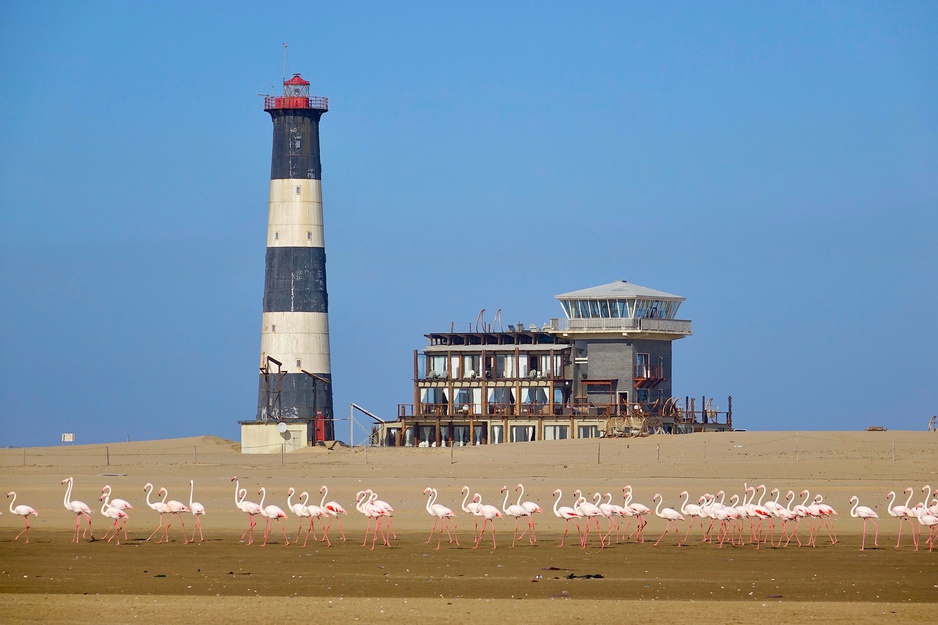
(53, 580)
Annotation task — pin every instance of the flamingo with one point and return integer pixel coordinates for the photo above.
(516, 511)
(691, 510)
(270, 513)
(157, 506)
(613, 512)
(333, 510)
(926, 517)
(112, 512)
(248, 507)
(300, 510)
(79, 508)
(22, 510)
(442, 516)
(365, 503)
(804, 512)
(568, 514)
(669, 514)
(532, 509)
(827, 513)
(317, 512)
(867, 514)
(471, 508)
(118, 503)
(792, 515)
(639, 510)
(903, 513)
(174, 508)
(488, 513)
(755, 511)
(589, 511)
(198, 510)
(387, 512)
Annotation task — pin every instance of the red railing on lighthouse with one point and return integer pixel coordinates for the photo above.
(296, 102)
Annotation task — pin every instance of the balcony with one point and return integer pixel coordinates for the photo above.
(679, 327)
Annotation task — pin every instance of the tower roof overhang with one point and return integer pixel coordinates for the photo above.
(618, 290)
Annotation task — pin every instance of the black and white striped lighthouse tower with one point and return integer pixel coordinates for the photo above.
(296, 378)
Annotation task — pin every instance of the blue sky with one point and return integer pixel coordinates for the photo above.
(776, 164)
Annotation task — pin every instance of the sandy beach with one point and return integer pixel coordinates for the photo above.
(54, 580)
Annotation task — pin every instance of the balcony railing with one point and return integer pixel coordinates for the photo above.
(296, 102)
(612, 324)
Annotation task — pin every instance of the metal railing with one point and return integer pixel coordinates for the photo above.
(670, 326)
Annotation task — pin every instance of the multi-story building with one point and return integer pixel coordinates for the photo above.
(602, 370)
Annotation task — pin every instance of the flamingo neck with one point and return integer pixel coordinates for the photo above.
(12, 501)
(464, 499)
(684, 505)
(557, 501)
(658, 507)
(505, 503)
(191, 491)
(325, 493)
(68, 492)
(520, 495)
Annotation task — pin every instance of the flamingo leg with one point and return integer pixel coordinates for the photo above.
(158, 527)
(666, 528)
(325, 533)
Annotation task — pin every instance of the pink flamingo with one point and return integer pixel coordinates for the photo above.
(23, 511)
(670, 515)
(471, 508)
(79, 508)
(488, 513)
(532, 509)
(118, 503)
(198, 511)
(302, 511)
(318, 512)
(157, 506)
(612, 512)
(927, 518)
(333, 509)
(790, 497)
(366, 505)
(112, 512)
(589, 511)
(442, 516)
(271, 512)
(827, 512)
(248, 507)
(516, 511)
(639, 510)
(903, 513)
(867, 514)
(568, 514)
(756, 511)
(175, 508)
(691, 510)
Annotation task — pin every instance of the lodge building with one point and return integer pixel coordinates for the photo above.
(604, 369)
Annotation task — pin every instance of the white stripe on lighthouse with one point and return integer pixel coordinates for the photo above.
(296, 336)
(295, 214)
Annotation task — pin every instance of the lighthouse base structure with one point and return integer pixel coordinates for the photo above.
(266, 437)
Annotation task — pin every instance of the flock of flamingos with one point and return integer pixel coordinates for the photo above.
(725, 523)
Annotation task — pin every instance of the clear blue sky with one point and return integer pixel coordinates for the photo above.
(774, 163)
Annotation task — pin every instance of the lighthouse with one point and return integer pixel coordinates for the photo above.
(295, 374)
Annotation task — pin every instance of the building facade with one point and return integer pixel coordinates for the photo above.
(604, 369)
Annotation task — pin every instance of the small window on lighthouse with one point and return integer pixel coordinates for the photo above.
(276, 235)
(299, 363)
(309, 236)
(298, 190)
